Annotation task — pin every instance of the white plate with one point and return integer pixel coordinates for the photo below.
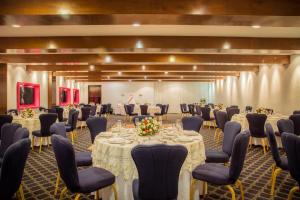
(116, 141)
(184, 139)
(105, 134)
(190, 133)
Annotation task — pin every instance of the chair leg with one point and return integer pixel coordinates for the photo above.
(57, 183)
(272, 173)
(41, 143)
(216, 133)
(72, 137)
(21, 193)
(250, 142)
(292, 191)
(263, 145)
(48, 141)
(229, 187)
(241, 189)
(115, 191)
(32, 142)
(219, 135)
(192, 190)
(62, 193)
(77, 197)
(275, 174)
(204, 189)
(97, 195)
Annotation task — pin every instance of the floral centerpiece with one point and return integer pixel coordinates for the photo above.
(148, 127)
(262, 110)
(202, 102)
(27, 113)
(219, 106)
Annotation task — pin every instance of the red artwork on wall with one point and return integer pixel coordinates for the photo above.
(64, 96)
(28, 95)
(76, 96)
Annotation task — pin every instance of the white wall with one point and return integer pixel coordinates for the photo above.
(18, 73)
(173, 93)
(274, 86)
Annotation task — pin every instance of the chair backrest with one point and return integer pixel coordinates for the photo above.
(21, 133)
(167, 108)
(285, 125)
(215, 115)
(12, 111)
(257, 124)
(205, 113)
(85, 113)
(7, 137)
(58, 129)
(232, 111)
(12, 168)
(248, 109)
(96, 125)
(198, 110)
(221, 119)
(46, 121)
(129, 109)
(296, 120)
(144, 109)
(70, 116)
(231, 130)
(273, 144)
(234, 106)
(93, 110)
(60, 113)
(292, 149)
(192, 123)
(65, 158)
(191, 109)
(5, 119)
(158, 168)
(183, 107)
(51, 110)
(74, 120)
(296, 112)
(140, 118)
(238, 155)
(163, 109)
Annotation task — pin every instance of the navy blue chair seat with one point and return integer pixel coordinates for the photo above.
(216, 156)
(213, 173)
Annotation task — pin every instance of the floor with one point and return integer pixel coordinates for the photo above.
(40, 172)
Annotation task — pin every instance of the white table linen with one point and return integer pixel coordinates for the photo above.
(117, 158)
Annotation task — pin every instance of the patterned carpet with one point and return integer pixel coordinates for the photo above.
(40, 172)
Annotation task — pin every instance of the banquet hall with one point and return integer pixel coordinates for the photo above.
(149, 100)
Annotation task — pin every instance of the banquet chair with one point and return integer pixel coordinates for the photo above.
(231, 130)
(167, 160)
(221, 119)
(248, 109)
(193, 123)
(232, 111)
(12, 111)
(109, 109)
(96, 125)
(42, 109)
(257, 128)
(167, 110)
(296, 120)
(12, 169)
(191, 109)
(144, 109)
(51, 110)
(130, 110)
(296, 112)
(72, 127)
(82, 181)
(292, 144)
(198, 110)
(93, 111)
(103, 110)
(85, 114)
(183, 109)
(82, 159)
(206, 117)
(162, 111)
(281, 162)
(3, 120)
(219, 174)
(60, 113)
(46, 121)
(140, 118)
(285, 125)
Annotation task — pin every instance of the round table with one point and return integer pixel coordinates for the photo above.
(112, 151)
(272, 119)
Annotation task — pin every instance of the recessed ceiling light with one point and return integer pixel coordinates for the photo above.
(129, 80)
(108, 77)
(16, 25)
(195, 67)
(143, 67)
(159, 80)
(92, 67)
(107, 59)
(139, 45)
(166, 73)
(52, 46)
(181, 77)
(136, 24)
(172, 59)
(119, 73)
(145, 77)
(226, 45)
(256, 26)
(64, 11)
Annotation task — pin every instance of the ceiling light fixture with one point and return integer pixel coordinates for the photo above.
(64, 11)
(52, 46)
(107, 59)
(181, 77)
(108, 77)
(16, 26)
(159, 80)
(92, 67)
(166, 73)
(129, 80)
(256, 26)
(119, 73)
(145, 77)
(195, 67)
(172, 59)
(226, 45)
(136, 24)
(139, 45)
(143, 67)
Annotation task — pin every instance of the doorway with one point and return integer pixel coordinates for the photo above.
(95, 94)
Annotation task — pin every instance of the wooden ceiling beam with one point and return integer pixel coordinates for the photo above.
(146, 58)
(163, 42)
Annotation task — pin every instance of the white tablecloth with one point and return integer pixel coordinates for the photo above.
(117, 159)
(272, 119)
